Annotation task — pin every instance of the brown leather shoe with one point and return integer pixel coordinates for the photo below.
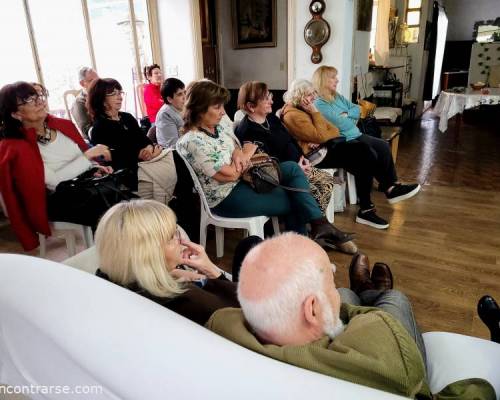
(327, 235)
(359, 274)
(382, 276)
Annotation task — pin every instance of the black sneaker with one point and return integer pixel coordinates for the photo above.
(402, 192)
(370, 218)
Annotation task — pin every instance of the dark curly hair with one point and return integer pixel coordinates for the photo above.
(98, 90)
(10, 95)
(148, 70)
(201, 95)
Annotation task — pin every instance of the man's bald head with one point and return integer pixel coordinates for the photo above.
(276, 277)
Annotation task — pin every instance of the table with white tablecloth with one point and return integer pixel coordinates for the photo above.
(450, 104)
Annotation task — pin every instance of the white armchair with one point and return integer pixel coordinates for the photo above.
(62, 326)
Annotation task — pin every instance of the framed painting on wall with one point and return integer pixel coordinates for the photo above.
(254, 23)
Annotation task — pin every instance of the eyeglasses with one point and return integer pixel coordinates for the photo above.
(177, 236)
(33, 99)
(268, 96)
(116, 93)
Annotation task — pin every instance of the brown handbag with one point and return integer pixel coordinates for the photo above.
(264, 174)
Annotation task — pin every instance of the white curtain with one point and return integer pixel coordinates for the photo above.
(382, 35)
(442, 28)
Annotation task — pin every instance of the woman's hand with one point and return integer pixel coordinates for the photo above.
(102, 171)
(186, 276)
(241, 160)
(146, 153)
(313, 146)
(97, 151)
(195, 257)
(304, 164)
(308, 106)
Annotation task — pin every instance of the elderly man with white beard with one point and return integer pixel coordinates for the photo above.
(291, 311)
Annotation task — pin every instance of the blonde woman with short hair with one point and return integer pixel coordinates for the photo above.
(344, 114)
(140, 248)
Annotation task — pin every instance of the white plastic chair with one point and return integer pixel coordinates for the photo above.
(68, 229)
(253, 225)
(74, 93)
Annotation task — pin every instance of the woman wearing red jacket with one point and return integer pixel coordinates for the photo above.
(152, 95)
(37, 152)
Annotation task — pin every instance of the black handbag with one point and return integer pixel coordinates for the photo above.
(87, 190)
(370, 126)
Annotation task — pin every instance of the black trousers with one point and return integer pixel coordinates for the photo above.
(365, 161)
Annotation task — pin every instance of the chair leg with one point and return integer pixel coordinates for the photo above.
(351, 187)
(330, 210)
(88, 238)
(219, 241)
(256, 230)
(69, 236)
(276, 225)
(203, 234)
(43, 245)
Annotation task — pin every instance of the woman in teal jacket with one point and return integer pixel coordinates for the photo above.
(344, 115)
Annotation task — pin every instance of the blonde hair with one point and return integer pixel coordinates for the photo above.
(319, 81)
(298, 90)
(130, 241)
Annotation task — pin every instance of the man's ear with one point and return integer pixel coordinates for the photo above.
(312, 311)
(169, 100)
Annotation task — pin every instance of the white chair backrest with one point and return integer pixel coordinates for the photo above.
(73, 93)
(79, 330)
(3, 206)
(196, 182)
(139, 90)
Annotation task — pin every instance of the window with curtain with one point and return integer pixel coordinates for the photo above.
(413, 14)
(51, 43)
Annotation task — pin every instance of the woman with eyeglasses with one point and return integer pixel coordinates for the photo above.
(152, 168)
(141, 248)
(37, 152)
(219, 160)
(260, 125)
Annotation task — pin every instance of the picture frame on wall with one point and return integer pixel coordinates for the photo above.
(254, 23)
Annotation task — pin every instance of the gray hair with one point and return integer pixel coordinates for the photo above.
(297, 91)
(83, 72)
(277, 313)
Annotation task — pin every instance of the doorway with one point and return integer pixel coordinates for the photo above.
(208, 26)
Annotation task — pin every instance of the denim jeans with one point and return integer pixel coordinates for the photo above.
(391, 301)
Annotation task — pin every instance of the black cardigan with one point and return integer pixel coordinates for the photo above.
(125, 140)
(277, 142)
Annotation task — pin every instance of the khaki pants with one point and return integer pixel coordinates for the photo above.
(157, 178)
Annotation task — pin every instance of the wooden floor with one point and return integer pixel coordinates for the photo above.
(444, 245)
